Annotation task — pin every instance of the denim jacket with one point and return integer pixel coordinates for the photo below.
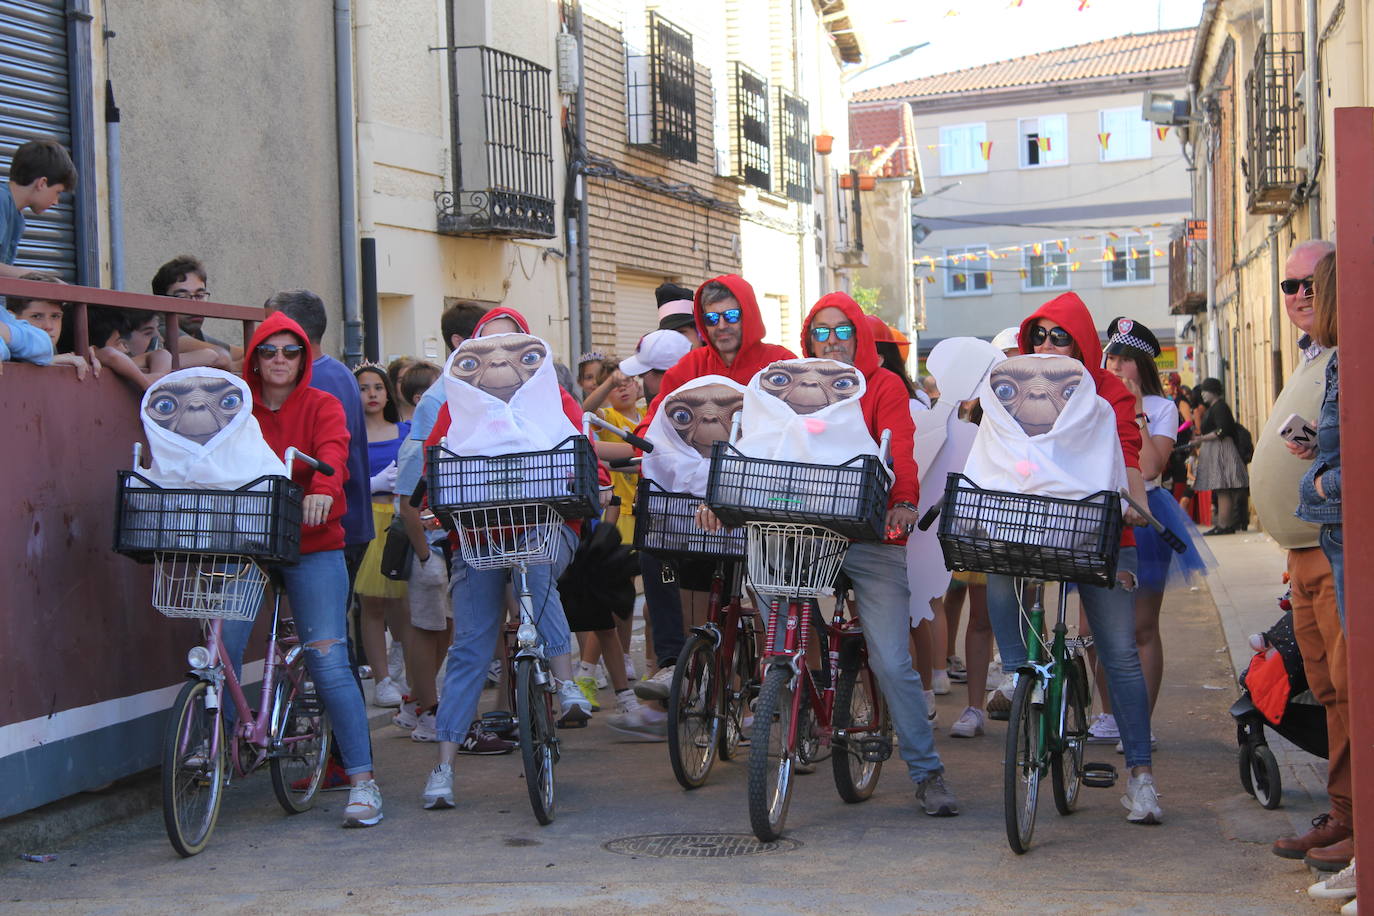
(1327, 464)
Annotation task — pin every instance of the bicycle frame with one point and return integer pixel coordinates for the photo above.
(528, 644)
(1049, 675)
(792, 654)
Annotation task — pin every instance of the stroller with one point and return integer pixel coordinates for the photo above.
(1301, 719)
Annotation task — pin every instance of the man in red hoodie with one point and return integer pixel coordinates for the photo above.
(837, 329)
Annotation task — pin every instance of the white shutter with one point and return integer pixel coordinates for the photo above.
(636, 310)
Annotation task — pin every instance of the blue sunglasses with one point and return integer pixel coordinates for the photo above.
(822, 334)
(731, 316)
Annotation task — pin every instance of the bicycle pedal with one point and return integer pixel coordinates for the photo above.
(1099, 775)
(874, 749)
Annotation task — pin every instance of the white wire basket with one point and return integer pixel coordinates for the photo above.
(496, 538)
(793, 561)
(207, 586)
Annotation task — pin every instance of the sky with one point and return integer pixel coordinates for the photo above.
(966, 33)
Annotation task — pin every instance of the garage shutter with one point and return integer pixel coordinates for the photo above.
(636, 310)
(37, 105)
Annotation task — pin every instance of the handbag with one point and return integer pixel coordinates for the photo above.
(397, 554)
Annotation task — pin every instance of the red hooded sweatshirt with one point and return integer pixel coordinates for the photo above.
(753, 353)
(314, 422)
(885, 402)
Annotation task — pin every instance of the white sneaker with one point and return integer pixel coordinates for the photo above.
(1350, 909)
(407, 717)
(1103, 730)
(939, 682)
(636, 719)
(630, 673)
(969, 724)
(386, 693)
(656, 686)
(602, 681)
(1340, 886)
(364, 806)
(396, 662)
(494, 672)
(999, 701)
(932, 714)
(425, 728)
(575, 710)
(1142, 801)
(438, 788)
(1121, 747)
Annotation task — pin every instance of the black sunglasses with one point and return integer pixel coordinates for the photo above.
(290, 351)
(1057, 336)
(731, 316)
(1290, 287)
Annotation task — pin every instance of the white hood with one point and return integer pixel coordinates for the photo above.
(235, 455)
(772, 428)
(674, 464)
(484, 424)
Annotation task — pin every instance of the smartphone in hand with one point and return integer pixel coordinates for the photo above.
(1298, 431)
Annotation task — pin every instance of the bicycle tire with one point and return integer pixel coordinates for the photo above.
(771, 759)
(1066, 766)
(1021, 766)
(694, 713)
(857, 699)
(192, 780)
(300, 752)
(739, 692)
(538, 744)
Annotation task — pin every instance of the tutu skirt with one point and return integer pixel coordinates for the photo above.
(1159, 566)
(370, 583)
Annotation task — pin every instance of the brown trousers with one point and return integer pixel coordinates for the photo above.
(1317, 627)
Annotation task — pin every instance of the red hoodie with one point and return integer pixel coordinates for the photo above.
(314, 422)
(885, 402)
(753, 353)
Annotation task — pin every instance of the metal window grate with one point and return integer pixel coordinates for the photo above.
(1272, 172)
(503, 168)
(753, 155)
(1187, 276)
(794, 161)
(672, 73)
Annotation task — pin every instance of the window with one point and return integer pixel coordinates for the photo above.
(1124, 134)
(961, 149)
(1127, 260)
(1044, 140)
(1045, 265)
(794, 133)
(661, 93)
(967, 271)
(753, 159)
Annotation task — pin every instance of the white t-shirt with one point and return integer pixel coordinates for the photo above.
(1162, 418)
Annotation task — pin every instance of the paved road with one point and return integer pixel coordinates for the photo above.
(489, 855)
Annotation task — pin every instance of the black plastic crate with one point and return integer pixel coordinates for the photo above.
(665, 525)
(261, 519)
(1035, 537)
(563, 477)
(849, 499)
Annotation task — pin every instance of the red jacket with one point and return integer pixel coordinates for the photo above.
(312, 421)
(885, 403)
(753, 353)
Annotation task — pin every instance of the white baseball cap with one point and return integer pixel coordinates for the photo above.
(657, 350)
(1008, 338)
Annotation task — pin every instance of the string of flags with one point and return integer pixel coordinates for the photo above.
(1108, 253)
(1104, 140)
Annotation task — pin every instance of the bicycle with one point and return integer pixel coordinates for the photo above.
(214, 552)
(508, 512)
(799, 520)
(1040, 539)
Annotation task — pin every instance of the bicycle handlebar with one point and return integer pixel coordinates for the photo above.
(643, 445)
(620, 464)
(293, 453)
(1173, 540)
(929, 518)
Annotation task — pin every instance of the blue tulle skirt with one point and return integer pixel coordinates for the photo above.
(1159, 566)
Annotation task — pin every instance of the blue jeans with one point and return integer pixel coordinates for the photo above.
(663, 603)
(318, 591)
(1333, 545)
(1111, 614)
(878, 574)
(479, 610)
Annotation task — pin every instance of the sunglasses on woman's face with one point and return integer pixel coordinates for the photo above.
(1290, 287)
(731, 316)
(290, 351)
(822, 334)
(1057, 336)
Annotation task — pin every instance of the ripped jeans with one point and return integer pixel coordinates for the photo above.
(318, 591)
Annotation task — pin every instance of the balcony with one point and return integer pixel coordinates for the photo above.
(753, 158)
(794, 148)
(503, 165)
(1272, 175)
(661, 92)
(1187, 276)
(849, 225)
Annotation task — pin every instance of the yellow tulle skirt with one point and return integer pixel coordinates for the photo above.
(370, 583)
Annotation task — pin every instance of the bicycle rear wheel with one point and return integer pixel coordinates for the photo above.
(1022, 765)
(862, 714)
(694, 713)
(538, 741)
(740, 690)
(771, 755)
(1066, 766)
(192, 773)
(300, 743)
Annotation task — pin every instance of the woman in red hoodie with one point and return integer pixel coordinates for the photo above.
(1063, 326)
(291, 413)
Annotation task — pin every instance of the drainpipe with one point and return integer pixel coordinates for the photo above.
(114, 188)
(1275, 311)
(1213, 367)
(347, 163)
(1312, 109)
(583, 325)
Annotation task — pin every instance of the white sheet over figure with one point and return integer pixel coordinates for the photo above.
(687, 424)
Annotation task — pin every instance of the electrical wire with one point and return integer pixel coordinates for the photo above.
(1053, 200)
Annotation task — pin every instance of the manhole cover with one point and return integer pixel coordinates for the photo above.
(697, 845)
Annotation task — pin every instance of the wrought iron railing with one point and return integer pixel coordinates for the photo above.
(1272, 173)
(794, 148)
(753, 154)
(503, 160)
(671, 101)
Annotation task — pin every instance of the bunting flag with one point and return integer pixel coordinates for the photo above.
(987, 274)
(1103, 139)
(930, 278)
(1113, 235)
(949, 13)
(1159, 253)
(1162, 132)
(1023, 272)
(1075, 265)
(1072, 250)
(1059, 243)
(1134, 254)
(1082, 5)
(1014, 4)
(959, 278)
(1044, 144)
(1109, 253)
(1037, 249)
(986, 149)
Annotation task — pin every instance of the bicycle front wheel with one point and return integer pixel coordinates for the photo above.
(193, 763)
(538, 741)
(861, 713)
(739, 691)
(694, 713)
(300, 741)
(772, 755)
(1066, 765)
(1022, 765)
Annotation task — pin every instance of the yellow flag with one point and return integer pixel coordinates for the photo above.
(1103, 138)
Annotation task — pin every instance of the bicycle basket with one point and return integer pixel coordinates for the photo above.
(505, 536)
(665, 525)
(563, 478)
(850, 499)
(793, 561)
(1037, 537)
(207, 586)
(261, 519)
